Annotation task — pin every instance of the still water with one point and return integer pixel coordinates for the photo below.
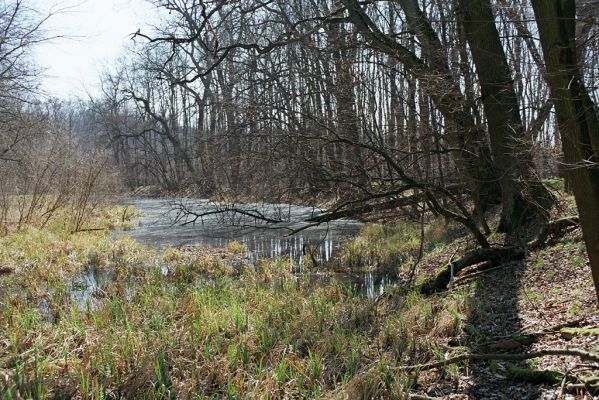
(163, 224)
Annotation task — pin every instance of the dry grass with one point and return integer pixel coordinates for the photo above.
(202, 323)
(191, 323)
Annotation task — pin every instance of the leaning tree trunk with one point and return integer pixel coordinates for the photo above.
(524, 198)
(575, 112)
(445, 92)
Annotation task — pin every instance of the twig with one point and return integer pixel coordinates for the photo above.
(421, 397)
(562, 385)
(471, 275)
(585, 355)
(89, 230)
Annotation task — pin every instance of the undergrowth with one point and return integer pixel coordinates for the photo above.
(193, 323)
(390, 247)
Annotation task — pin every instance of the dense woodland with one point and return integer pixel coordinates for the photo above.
(460, 107)
(473, 111)
(366, 104)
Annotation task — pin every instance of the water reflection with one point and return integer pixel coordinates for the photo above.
(372, 284)
(368, 284)
(161, 226)
(87, 288)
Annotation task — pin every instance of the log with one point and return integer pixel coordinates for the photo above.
(570, 333)
(536, 376)
(589, 383)
(494, 256)
(513, 343)
(470, 271)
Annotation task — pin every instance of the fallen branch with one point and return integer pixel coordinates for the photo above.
(358, 208)
(584, 355)
(494, 256)
(89, 230)
(580, 387)
(187, 216)
(555, 229)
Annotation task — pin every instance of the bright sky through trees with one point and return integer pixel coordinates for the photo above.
(95, 32)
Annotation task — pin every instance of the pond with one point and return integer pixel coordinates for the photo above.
(173, 223)
(163, 224)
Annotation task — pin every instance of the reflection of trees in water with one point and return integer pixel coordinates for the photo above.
(372, 283)
(264, 240)
(314, 245)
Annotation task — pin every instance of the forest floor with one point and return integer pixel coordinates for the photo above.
(522, 307)
(87, 316)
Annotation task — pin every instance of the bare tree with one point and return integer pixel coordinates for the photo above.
(371, 106)
(576, 114)
(523, 195)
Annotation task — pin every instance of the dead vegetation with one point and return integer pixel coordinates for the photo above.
(193, 322)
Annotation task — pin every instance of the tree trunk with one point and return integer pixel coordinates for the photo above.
(343, 56)
(474, 156)
(575, 112)
(524, 198)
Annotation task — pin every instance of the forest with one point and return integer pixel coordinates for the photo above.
(419, 180)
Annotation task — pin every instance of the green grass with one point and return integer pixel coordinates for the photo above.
(387, 247)
(229, 331)
(206, 329)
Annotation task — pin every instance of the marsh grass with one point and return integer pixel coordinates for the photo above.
(209, 328)
(380, 246)
(391, 248)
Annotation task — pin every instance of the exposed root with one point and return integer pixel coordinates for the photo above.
(554, 229)
(494, 258)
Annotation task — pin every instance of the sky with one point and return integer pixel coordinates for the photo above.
(95, 32)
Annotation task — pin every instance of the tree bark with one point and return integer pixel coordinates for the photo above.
(343, 89)
(524, 198)
(575, 112)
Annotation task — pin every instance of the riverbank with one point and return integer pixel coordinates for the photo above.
(84, 316)
(177, 323)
